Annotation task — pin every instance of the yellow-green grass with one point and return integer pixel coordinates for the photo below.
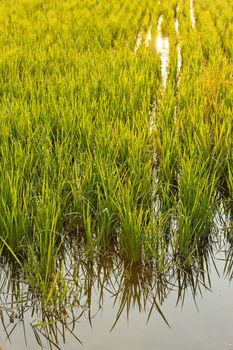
(79, 160)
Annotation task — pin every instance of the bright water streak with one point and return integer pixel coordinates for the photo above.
(179, 56)
(148, 37)
(192, 14)
(138, 42)
(162, 47)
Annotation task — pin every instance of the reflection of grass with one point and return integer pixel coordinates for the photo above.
(94, 281)
(78, 160)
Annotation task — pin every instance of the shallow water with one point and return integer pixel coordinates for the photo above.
(179, 56)
(162, 48)
(148, 37)
(192, 14)
(121, 308)
(138, 42)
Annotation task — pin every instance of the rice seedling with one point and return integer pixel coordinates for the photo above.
(81, 86)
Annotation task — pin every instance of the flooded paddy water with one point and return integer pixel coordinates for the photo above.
(192, 14)
(111, 304)
(162, 47)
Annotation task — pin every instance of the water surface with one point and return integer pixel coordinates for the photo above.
(120, 307)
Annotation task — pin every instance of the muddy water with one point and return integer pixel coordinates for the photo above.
(119, 307)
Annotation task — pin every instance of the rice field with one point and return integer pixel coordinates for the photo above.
(115, 136)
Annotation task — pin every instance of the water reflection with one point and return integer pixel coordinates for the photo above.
(162, 48)
(138, 42)
(148, 37)
(192, 14)
(179, 55)
(95, 283)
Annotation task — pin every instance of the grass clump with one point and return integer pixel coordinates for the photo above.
(95, 149)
